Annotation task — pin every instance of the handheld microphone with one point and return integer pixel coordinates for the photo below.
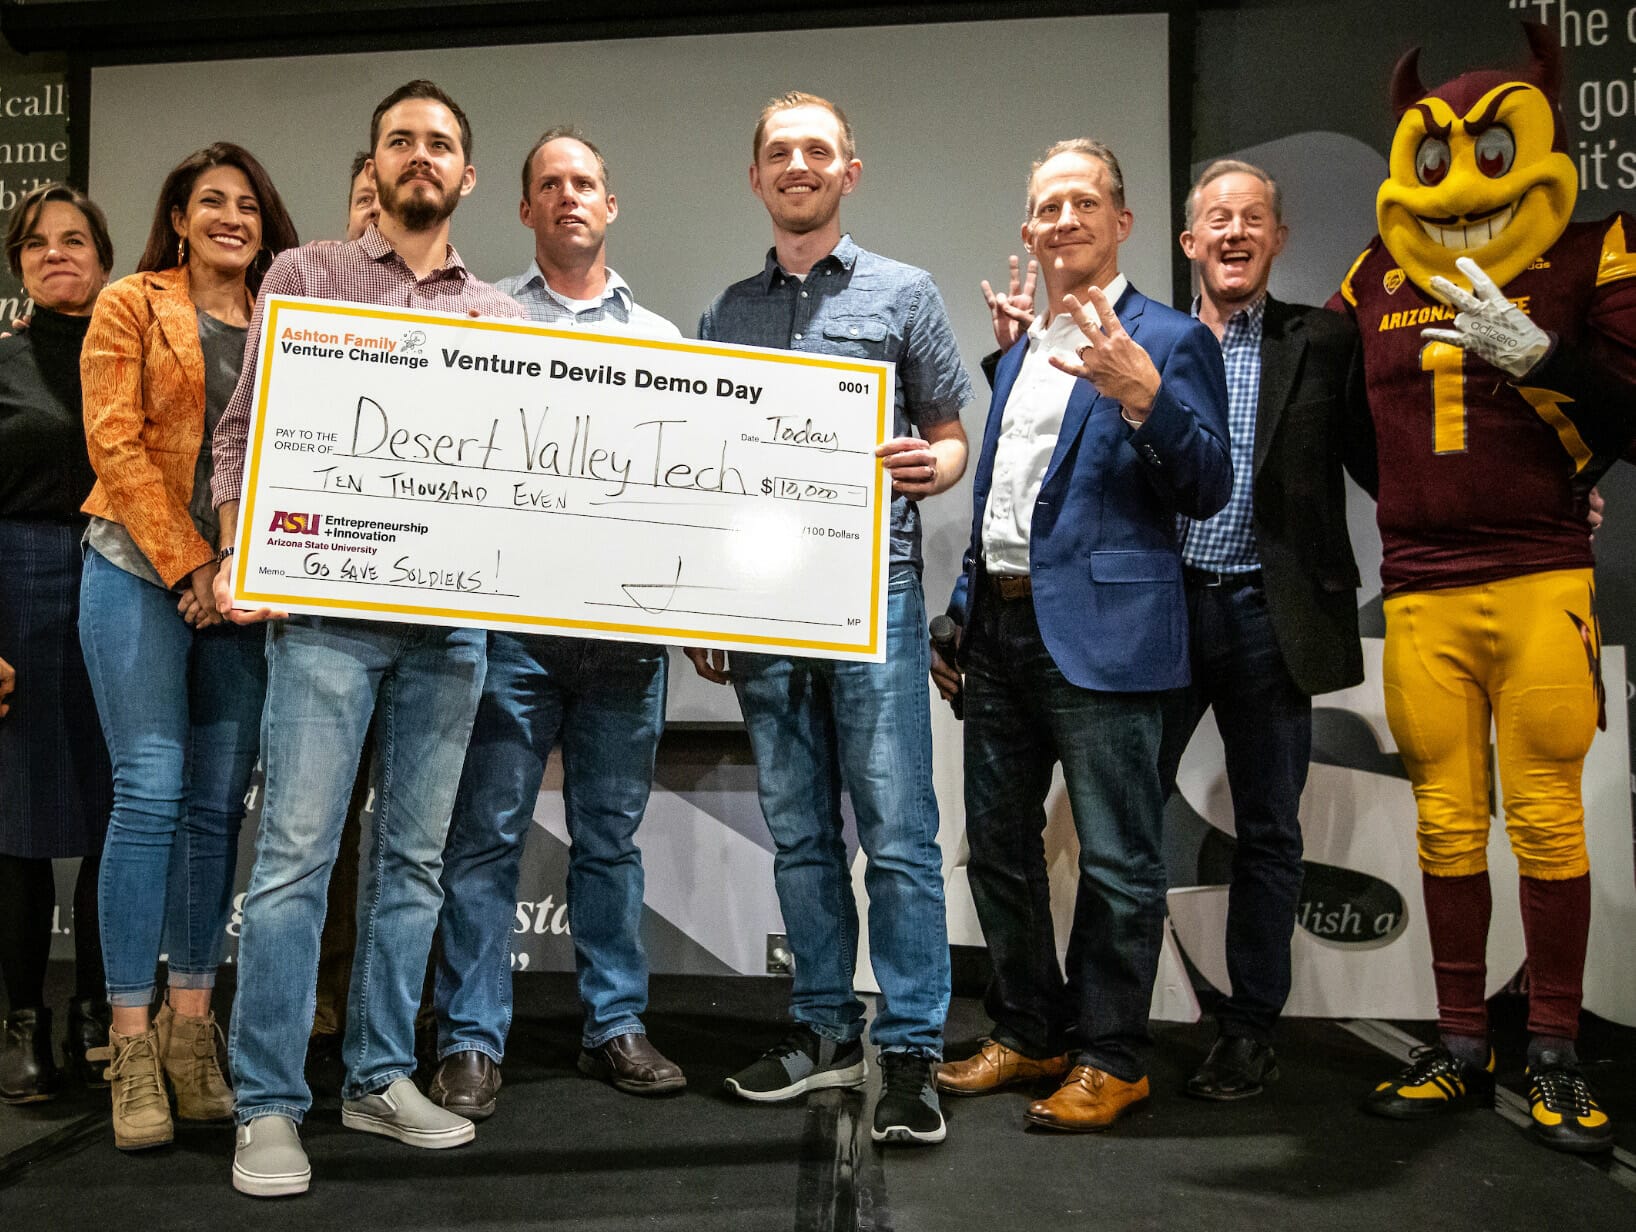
(943, 633)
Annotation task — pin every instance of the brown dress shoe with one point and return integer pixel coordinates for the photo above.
(466, 1082)
(631, 1063)
(1090, 1100)
(995, 1066)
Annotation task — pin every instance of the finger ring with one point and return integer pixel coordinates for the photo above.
(1081, 352)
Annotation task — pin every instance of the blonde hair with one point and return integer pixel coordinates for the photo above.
(799, 98)
(1090, 149)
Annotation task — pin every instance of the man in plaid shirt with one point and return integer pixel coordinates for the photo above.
(324, 678)
(1271, 589)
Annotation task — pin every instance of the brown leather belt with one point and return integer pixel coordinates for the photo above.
(1010, 587)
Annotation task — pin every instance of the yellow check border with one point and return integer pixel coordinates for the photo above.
(245, 596)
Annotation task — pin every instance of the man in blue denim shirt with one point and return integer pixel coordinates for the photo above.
(817, 725)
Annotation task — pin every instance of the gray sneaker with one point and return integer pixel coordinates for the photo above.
(268, 1161)
(402, 1112)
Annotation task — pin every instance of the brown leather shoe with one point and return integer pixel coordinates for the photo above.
(995, 1066)
(631, 1063)
(1090, 1100)
(467, 1083)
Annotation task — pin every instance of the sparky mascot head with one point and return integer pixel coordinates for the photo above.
(1478, 168)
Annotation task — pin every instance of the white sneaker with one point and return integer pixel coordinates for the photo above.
(268, 1161)
(402, 1112)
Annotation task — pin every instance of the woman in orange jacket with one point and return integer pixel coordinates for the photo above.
(179, 691)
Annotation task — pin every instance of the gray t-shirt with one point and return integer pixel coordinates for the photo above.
(223, 348)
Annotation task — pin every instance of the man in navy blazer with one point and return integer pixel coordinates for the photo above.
(1109, 418)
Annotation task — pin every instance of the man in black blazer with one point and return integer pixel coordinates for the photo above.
(1271, 588)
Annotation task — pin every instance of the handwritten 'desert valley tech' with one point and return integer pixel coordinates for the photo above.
(419, 467)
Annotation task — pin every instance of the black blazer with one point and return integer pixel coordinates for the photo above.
(1311, 422)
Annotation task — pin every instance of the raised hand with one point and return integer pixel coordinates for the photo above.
(1110, 359)
(1013, 312)
(1488, 324)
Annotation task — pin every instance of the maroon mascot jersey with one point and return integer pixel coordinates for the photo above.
(1482, 478)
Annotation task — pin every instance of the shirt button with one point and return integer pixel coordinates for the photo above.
(798, 337)
(803, 295)
(854, 331)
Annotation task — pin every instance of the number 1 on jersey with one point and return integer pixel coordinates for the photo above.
(1446, 363)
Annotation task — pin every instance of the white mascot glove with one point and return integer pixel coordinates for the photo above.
(1488, 324)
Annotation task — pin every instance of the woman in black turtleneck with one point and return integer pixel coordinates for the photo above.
(55, 788)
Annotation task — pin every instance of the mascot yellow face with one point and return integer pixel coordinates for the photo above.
(1477, 169)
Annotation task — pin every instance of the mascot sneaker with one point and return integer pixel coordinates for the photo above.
(1564, 1115)
(1435, 1082)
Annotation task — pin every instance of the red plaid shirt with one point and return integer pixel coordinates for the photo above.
(367, 270)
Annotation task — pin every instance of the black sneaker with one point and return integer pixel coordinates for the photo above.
(907, 1111)
(1563, 1112)
(802, 1061)
(1435, 1082)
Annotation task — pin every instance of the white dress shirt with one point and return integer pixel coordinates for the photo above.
(1028, 438)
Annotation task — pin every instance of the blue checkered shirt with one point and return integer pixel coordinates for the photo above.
(1226, 542)
(616, 312)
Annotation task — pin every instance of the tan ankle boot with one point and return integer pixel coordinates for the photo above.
(187, 1047)
(141, 1110)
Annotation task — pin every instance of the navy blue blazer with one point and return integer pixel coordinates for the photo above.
(1102, 541)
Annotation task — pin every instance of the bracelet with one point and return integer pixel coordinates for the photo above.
(225, 553)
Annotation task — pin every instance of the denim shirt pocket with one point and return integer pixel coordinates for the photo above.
(864, 337)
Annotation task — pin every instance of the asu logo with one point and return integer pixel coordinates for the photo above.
(295, 523)
(1393, 280)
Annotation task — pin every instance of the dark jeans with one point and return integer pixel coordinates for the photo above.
(1021, 718)
(604, 703)
(1266, 732)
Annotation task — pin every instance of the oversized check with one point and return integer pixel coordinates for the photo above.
(430, 468)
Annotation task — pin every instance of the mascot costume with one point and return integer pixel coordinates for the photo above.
(1499, 343)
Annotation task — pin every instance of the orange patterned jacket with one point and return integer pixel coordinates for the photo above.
(143, 375)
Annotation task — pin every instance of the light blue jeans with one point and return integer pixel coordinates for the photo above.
(605, 703)
(181, 714)
(325, 678)
(818, 726)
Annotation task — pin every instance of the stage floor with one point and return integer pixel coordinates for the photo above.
(563, 1151)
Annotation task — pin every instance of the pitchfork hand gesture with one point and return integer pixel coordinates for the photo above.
(1110, 359)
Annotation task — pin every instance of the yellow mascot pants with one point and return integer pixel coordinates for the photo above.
(1524, 654)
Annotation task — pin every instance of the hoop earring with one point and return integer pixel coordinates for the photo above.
(181, 251)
